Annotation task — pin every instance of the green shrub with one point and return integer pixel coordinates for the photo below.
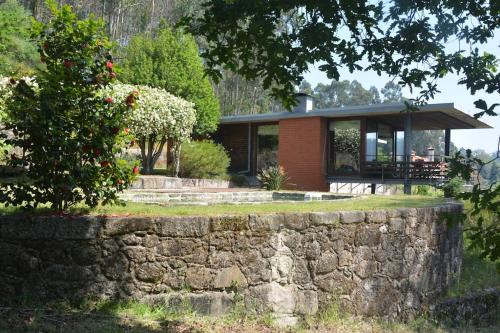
(203, 159)
(70, 136)
(423, 190)
(452, 187)
(272, 178)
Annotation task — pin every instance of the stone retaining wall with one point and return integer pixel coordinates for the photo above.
(480, 308)
(163, 182)
(382, 263)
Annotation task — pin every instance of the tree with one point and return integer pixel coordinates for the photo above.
(406, 40)
(69, 134)
(18, 55)
(336, 94)
(170, 61)
(392, 93)
(157, 116)
(358, 95)
(305, 87)
(240, 96)
(344, 93)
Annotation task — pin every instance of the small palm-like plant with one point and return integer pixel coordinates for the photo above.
(272, 178)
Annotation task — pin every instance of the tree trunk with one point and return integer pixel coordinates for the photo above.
(176, 151)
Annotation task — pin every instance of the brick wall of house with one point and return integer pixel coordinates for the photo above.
(234, 137)
(302, 152)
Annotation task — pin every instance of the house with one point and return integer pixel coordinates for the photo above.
(356, 149)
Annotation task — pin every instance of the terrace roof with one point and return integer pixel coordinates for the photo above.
(430, 116)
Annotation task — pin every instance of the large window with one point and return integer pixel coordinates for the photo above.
(344, 147)
(267, 145)
(379, 142)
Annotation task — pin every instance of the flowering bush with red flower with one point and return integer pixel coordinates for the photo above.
(71, 136)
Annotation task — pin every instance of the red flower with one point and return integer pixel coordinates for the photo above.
(68, 64)
(112, 75)
(130, 100)
(12, 81)
(104, 164)
(126, 130)
(109, 65)
(135, 170)
(108, 100)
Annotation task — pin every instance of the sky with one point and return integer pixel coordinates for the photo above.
(451, 92)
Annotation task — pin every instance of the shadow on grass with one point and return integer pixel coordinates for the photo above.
(99, 317)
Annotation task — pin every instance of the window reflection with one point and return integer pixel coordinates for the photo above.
(344, 147)
(267, 146)
(379, 142)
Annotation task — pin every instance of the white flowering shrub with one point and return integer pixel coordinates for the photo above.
(156, 116)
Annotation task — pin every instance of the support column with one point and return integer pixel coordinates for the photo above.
(407, 152)
(447, 142)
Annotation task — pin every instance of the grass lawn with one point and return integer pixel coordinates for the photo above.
(365, 203)
(108, 317)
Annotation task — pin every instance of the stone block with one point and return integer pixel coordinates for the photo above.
(136, 253)
(307, 302)
(376, 216)
(397, 225)
(281, 267)
(115, 267)
(210, 303)
(325, 218)
(229, 223)
(266, 223)
(230, 277)
(345, 258)
(177, 247)
(365, 268)
(299, 221)
(126, 225)
(300, 273)
(368, 236)
(198, 278)
(327, 263)
(313, 250)
(280, 299)
(221, 259)
(149, 272)
(195, 226)
(150, 241)
(354, 216)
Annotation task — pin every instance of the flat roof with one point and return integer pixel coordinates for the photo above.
(430, 116)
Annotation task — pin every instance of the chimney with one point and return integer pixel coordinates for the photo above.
(430, 154)
(304, 103)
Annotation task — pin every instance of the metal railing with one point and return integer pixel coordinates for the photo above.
(417, 168)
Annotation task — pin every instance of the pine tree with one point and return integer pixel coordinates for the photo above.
(171, 61)
(18, 55)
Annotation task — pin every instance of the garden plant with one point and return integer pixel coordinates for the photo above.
(157, 117)
(70, 135)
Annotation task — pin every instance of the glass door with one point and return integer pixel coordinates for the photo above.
(267, 146)
(344, 147)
